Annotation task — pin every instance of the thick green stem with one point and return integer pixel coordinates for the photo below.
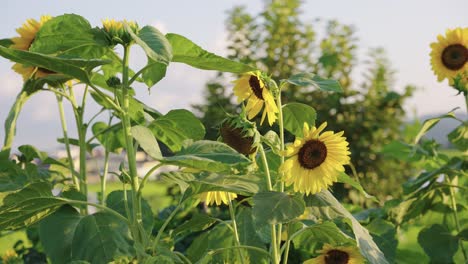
(63, 121)
(274, 244)
(104, 177)
(455, 215)
(281, 132)
(131, 159)
(81, 127)
(234, 226)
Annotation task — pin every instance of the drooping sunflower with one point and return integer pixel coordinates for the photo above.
(337, 255)
(217, 197)
(252, 88)
(450, 54)
(27, 33)
(315, 160)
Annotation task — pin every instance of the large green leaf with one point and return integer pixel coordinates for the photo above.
(208, 156)
(111, 137)
(28, 206)
(344, 178)
(192, 184)
(115, 200)
(12, 176)
(98, 238)
(70, 35)
(154, 43)
(248, 235)
(198, 222)
(459, 137)
(326, 232)
(147, 142)
(153, 72)
(218, 237)
(73, 67)
(308, 79)
(324, 205)
(384, 234)
(10, 122)
(438, 243)
(177, 126)
(430, 123)
(185, 51)
(295, 115)
(276, 207)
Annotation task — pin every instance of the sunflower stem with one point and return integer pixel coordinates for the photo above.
(131, 159)
(455, 215)
(63, 121)
(234, 226)
(274, 244)
(281, 132)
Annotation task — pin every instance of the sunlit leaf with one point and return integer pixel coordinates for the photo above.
(442, 249)
(147, 142)
(295, 115)
(308, 79)
(276, 207)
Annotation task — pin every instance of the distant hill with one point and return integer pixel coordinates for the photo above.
(440, 131)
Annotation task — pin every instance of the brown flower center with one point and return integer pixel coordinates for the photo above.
(312, 154)
(454, 56)
(336, 257)
(254, 83)
(234, 138)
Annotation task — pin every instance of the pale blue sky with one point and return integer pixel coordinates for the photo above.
(404, 28)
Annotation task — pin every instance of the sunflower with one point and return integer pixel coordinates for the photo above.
(116, 30)
(217, 197)
(27, 33)
(251, 87)
(337, 255)
(315, 160)
(450, 54)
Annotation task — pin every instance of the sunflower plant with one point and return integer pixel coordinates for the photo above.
(275, 192)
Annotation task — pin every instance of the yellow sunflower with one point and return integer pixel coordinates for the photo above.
(450, 54)
(27, 33)
(337, 255)
(116, 30)
(217, 197)
(315, 160)
(251, 87)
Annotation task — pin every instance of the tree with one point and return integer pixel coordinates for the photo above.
(278, 42)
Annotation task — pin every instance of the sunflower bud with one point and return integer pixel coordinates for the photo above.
(240, 134)
(117, 32)
(113, 82)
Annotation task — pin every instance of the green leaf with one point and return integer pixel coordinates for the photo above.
(218, 237)
(397, 150)
(97, 238)
(153, 42)
(153, 72)
(430, 123)
(276, 207)
(208, 156)
(115, 200)
(344, 178)
(326, 232)
(199, 222)
(145, 138)
(30, 153)
(74, 68)
(185, 51)
(308, 79)
(70, 35)
(206, 182)
(6, 42)
(295, 115)
(248, 235)
(384, 235)
(10, 122)
(177, 126)
(438, 243)
(12, 176)
(459, 137)
(272, 140)
(76, 142)
(112, 137)
(324, 205)
(28, 206)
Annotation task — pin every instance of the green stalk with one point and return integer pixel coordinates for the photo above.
(274, 244)
(234, 226)
(136, 202)
(163, 227)
(81, 127)
(104, 177)
(281, 131)
(75, 179)
(455, 215)
(286, 252)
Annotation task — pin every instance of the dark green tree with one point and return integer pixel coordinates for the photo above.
(280, 43)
